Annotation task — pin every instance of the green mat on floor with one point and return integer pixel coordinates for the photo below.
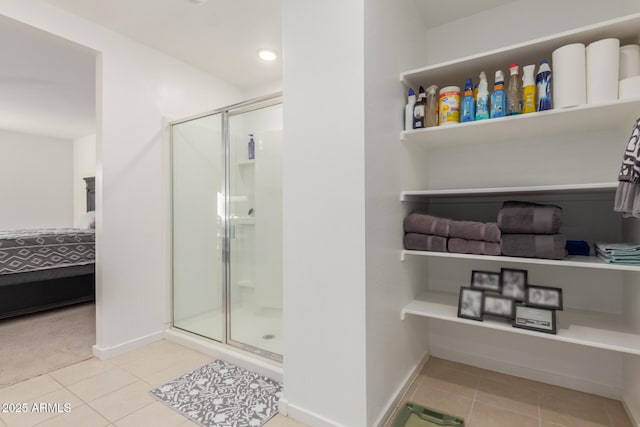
(413, 415)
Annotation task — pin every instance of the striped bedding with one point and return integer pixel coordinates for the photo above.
(44, 249)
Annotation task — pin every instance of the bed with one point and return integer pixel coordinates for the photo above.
(48, 268)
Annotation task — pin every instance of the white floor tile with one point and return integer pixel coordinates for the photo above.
(154, 415)
(102, 384)
(124, 401)
(80, 371)
(29, 389)
(42, 408)
(83, 416)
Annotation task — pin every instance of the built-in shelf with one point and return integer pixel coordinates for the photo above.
(620, 114)
(251, 162)
(244, 220)
(529, 52)
(596, 187)
(592, 329)
(570, 261)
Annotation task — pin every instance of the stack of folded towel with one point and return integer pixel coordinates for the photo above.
(618, 253)
(425, 232)
(531, 230)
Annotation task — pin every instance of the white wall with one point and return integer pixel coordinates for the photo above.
(394, 347)
(84, 166)
(324, 212)
(36, 174)
(137, 87)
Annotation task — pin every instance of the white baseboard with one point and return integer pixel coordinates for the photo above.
(104, 353)
(310, 418)
(634, 418)
(230, 354)
(396, 398)
(553, 378)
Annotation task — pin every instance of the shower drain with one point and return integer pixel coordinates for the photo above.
(268, 337)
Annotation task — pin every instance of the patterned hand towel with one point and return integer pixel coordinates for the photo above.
(424, 242)
(471, 230)
(478, 247)
(627, 195)
(419, 222)
(529, 218)
(550, 246)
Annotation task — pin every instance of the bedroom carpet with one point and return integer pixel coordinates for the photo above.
(39, 343)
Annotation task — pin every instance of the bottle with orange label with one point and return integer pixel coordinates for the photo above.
(498, 97)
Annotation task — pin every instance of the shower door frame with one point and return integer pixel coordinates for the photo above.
(225, 114)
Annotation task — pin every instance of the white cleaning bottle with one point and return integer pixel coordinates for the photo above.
(482, 103)
(408, 110)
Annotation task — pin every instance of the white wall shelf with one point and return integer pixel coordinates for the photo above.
(605, 331)
(570, 261)
(530, 52)
(596, 187)
(589, 117)
(246, 163)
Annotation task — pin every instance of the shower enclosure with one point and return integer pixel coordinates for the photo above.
(227, 225)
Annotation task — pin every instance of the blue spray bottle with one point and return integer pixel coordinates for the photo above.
(543, 86)
(482, 101)
(498, 97)
(468, 103)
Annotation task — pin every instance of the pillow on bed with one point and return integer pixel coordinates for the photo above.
(86, 220)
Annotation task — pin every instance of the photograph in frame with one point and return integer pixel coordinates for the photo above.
(535, 319)
(485, 280)
(499, 306)
(470, 303)
(544, 297)
(513, 283)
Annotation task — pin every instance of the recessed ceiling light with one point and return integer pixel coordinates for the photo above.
(267, 54)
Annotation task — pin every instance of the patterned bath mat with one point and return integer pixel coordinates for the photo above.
(222, 395)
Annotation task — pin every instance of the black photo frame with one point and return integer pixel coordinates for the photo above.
(485, 280)
(544, 297)
(513, 283)
(498, 306)
(535, 319)
(470, 303)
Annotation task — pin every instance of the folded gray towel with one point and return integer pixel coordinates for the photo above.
(529, 218)
(472, 230)
(551, 246)
(419, 222)
(424, 242)
(464, 246)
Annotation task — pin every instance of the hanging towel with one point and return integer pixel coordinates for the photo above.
(471, 230)
(419, 222)
(628, 193)
(424, 242)
(478, 247)
(549, 246)
(529, 218)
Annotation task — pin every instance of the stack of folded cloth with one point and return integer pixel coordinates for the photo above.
(618, 253)
(425, 232)
(531, 230)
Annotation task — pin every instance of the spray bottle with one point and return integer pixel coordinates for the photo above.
(468, 103)
(498, 97)
(251, 147)
(408, 110)
(543, 86)
(482, 102)
(419, 110)
(431, 109)
(528, 89)
(514, 93)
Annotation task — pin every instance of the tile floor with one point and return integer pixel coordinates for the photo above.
(112, 393)
(490, 399)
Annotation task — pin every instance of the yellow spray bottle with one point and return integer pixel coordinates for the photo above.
(528, 89)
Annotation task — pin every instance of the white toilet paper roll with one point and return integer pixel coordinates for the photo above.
(629, 61)
(630, 88)
(603, 65)
(569, 76)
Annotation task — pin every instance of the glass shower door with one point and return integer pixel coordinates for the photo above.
(255, 234)
(198, 184)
